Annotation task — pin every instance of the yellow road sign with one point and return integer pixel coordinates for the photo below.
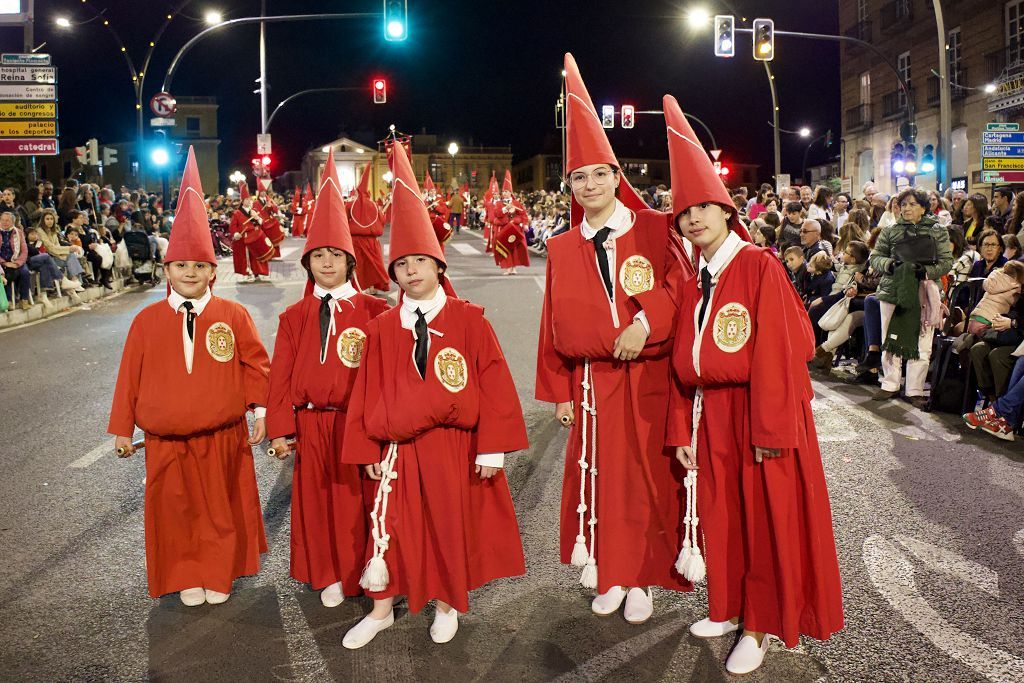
(1003, 164)
(28, 129)
(28, 110)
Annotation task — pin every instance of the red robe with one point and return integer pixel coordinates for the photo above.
(518, 254)
(203, 520)
(271, 224)
(370, 268)
(451, 532)
(765, 529)
(639, 529)
(243, 251)
(328, 511)
(490, 207)
(298, 216)
(439, 211)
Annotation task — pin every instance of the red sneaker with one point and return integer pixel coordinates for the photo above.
(980, 417)
(999, 428)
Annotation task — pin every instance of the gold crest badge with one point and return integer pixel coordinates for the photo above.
(732, 327)
(636, 275)
(220, 342)
(450, 368)
(350, 346)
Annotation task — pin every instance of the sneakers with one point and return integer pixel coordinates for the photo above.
(987, 420)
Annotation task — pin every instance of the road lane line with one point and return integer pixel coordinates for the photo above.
(951, 564)
(465, 249)
(105, 448)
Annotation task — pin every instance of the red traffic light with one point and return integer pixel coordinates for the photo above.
(255, 162)
(378, 84)
(725, 170)
(266, 161)
(380, 91)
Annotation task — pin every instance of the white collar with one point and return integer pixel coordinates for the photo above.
(732, 244)
(429, 307)
(620, 218)
(175, 301)
(345, 291)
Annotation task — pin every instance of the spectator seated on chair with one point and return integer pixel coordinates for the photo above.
(13, 255)
(1001, 417)
(853, 282)
(797, 268)
(820, 279)
(54, 243)
(41, 262)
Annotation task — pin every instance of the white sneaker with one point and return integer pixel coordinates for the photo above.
(608, 603)
(216, 597)
(639, 605)
(366, 630)
(705, 628)
(192, 597)
(445, 626)
(332, 595)
(747, 656)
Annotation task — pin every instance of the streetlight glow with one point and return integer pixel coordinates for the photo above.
(236, 177)
(325, 149)
(63, 22)
(388, 177)
(805, 132)
(990, 88)
(160, 156)
(453, 149)
(698, 17)
(213, 17)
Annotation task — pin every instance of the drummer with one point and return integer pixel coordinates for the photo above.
(251, 249)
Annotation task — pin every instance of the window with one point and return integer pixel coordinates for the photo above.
(1014, 32)
(866, 167)
(953, 54)
(192, 125)
(634, 169)
(903, 66)
(862, 11)
(553, 169)
(437, 171)
(865, 88)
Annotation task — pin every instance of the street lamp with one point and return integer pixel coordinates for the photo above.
(698, 17)
(453, 149)
(236, 177)
(388, 177)
(989, 88)
(805, 132)
(213, 17)
(63, 22)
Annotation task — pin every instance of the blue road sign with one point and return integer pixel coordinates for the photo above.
(1002, 151)
(1002, 138)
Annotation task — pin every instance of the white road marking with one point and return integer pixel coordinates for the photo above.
(1018, 541)
(893, 575)
(305, 662)
(626, 651)
(947, 562)
(288, 251)
(465, 249)
(105, 448)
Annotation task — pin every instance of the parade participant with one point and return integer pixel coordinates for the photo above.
(433, 413)
(192, 366)
(367, 224)
(510, 223)
(299, 215)
(603, 359)
(251, 249)
(317, 353)
(438, 211)
(740, 418)
(491, 200)
(271, 216)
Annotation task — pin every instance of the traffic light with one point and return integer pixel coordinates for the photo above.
(92, 152)
(608, 116)
(725, 35)
(396, 20)
(828, 137)
(897, 158)
(928, 159)
(628, 116)
(160, 156)
(910, 160)
(380, 91)
(267, 160)
(80, 154)
(725, 171)
(109, 156)
(764, 40)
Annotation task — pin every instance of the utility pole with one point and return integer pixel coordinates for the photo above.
(775, 125)
(943, 148)
(263, 67)
(29, 40)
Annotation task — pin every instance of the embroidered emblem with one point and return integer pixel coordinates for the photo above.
(511, 239)
(732, 327)
(636, 275)
(220, 342)
(450, 368)
(350, 346)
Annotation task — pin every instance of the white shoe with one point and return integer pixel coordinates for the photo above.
(639, 605)
(366, 630)
(192, 597)
(747, 656)
(705, 628)
(332, 595)
(608, 603)
(216, 597)
(445, 626)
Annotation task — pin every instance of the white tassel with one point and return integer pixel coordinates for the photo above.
(684, 558)
(589, 577)
(375, 576)
(696, 570)
(579, 552)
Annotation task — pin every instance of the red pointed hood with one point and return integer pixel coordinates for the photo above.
(243, 191)
(308, 196)
(411, 231)
(428, 183)
(507, 183)
(492, 188)
(190, 233)
(328, 226)
(364, 211)
(694, 180)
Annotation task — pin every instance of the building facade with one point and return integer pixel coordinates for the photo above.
(984, 47)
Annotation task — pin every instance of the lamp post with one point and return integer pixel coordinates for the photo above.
(453, 149)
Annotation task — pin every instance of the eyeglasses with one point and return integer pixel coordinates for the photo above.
(600, 176)
(995, 245)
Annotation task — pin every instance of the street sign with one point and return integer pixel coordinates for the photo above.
(846, 185)
(1002, 138)
(163, 105)
(28, 110)
(22, 147)
(1002, 127)
(263, 143)
(1002, 151)
(28, 74)
(29, 59)
(1002, 176)
(28, 129)
(27, 91)
(718, 167)
(781, 181)
(1003, 164)
(161, 122)
(715, 153)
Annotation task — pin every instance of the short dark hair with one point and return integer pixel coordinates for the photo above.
(919, 195)
(350, 262)
(768, 232)
(860, 251)
(1005, 192)
(794, 207)
(793, 251)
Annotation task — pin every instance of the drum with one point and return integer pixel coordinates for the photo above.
(262, 249)
(507, 240)
(272, 228)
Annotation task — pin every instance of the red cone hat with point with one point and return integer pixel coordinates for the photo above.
(190, 234)
(328, 226)
(308, 196)
(428, 183)
(364, 211)
(694, 180)
(243, 191)
(411, 231)
(492, 188)
(507, 183)
(585, 139)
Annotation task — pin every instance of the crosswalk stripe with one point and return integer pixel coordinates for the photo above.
(465, 249)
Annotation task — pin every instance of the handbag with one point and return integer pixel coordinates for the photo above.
(920, 249)
(106, 255)
(4, 303)
(122, 259)
(835, 315)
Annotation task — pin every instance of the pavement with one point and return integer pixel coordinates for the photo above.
(928, 518)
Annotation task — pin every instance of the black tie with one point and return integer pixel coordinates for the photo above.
(602, 258)
(420, 353)
(190, 320)
(325, 323)
(705, 293)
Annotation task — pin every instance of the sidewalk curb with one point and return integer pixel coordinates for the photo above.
(55, 306)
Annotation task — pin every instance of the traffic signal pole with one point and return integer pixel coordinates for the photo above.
(299, 94)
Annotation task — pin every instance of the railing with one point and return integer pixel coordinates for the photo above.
(1009, 60)
(896, 16)
(858, 117)
(861, 31)
(957, 90)
(894, 104)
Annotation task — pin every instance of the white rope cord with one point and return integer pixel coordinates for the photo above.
(581, 555)
(690, 562)
(588, 579)
(375, 576)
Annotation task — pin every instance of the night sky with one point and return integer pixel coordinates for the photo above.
(480, 72)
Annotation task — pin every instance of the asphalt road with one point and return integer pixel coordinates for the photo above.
(928, 517)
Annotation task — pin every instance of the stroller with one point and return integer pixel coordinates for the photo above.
(145, 268)
(221, 236)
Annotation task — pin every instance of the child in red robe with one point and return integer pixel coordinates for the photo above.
(192, 365)
(741, 420)
(318, 350)
(510, 222)
(433, 413)
(251, 249)
(367, 225)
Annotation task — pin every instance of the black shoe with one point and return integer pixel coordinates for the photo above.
(921, 403)
(883, 395)
(872, 361)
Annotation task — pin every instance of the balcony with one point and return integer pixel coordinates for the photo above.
(956, 92)
(1008, 60)
(861, 31)
(858, 117)
(894, 105)
(896, 16)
